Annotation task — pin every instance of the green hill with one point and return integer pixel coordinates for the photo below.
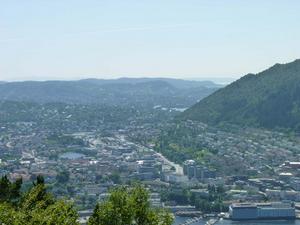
(269, 99)
(124, 91)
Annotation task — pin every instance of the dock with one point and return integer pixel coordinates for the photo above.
(196, 219)
(212, 221)
(192, 220)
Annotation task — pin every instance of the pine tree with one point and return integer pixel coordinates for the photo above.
(4, 189)
(36, 206)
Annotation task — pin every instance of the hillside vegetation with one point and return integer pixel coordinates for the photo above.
(269, 99)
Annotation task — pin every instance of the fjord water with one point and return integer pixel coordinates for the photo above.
(181, 220)
(267, 222)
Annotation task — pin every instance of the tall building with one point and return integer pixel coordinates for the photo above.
(189, 168)
(192, 170)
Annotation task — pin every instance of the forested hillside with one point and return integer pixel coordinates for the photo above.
(268, 99)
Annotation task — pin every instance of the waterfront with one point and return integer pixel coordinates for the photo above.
(266, 222)
(181, 220)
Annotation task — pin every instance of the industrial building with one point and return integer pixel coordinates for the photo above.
(262, 211)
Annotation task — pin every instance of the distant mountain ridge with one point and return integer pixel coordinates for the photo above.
(178, 83)
(268, 99)
(124, 91)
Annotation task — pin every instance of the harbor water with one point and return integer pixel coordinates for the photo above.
(266, 222)
(181, 220)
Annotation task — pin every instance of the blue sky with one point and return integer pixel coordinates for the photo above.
(72, 39)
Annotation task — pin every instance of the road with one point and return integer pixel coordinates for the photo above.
(178, 168)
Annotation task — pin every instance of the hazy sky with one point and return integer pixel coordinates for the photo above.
(71, 39)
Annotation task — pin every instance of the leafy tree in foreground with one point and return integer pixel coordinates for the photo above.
(127, 206)
(34, 207)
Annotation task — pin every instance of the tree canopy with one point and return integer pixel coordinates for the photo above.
(126, 206)
(34, 207)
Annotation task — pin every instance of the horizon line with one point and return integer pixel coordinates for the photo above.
(192, 78)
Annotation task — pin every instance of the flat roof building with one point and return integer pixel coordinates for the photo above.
(261, 211)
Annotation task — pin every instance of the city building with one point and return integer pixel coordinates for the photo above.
(192, 170)
(261, 211)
